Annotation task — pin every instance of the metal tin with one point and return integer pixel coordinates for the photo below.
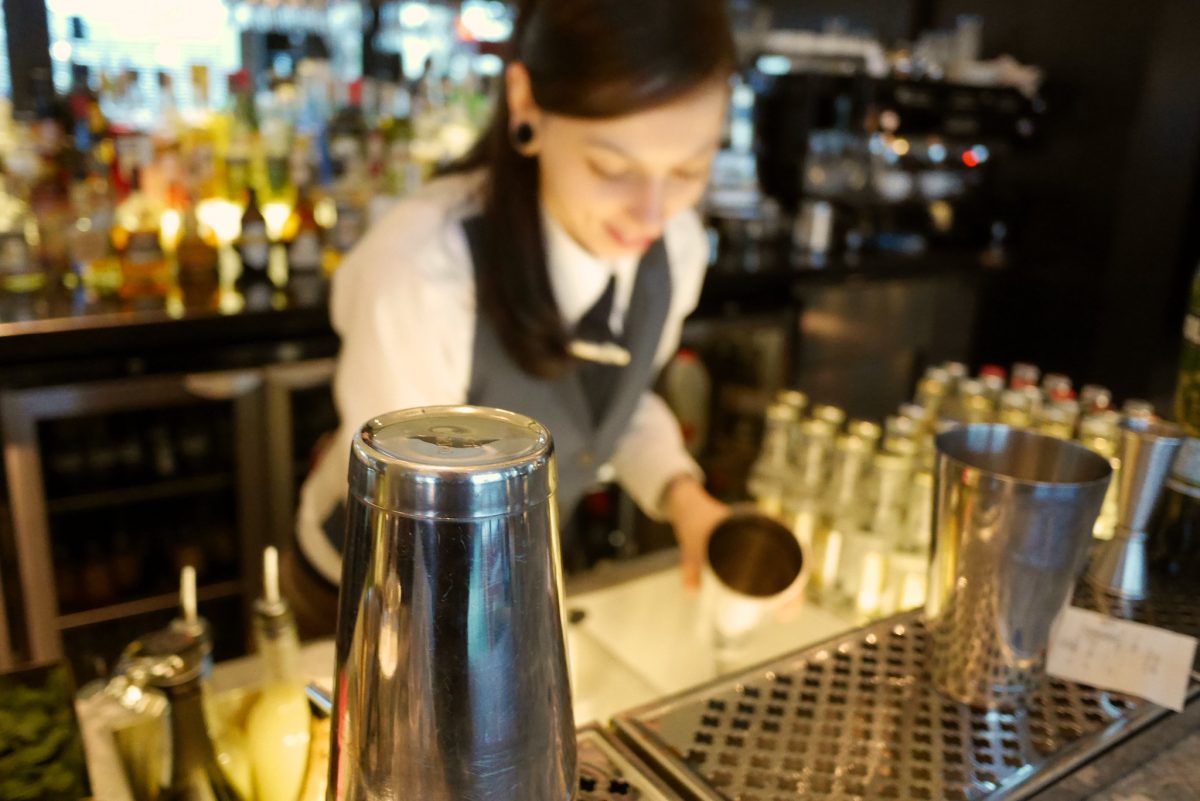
(1013, 522)
(451, 671)
(1147, 450)
(452, 463)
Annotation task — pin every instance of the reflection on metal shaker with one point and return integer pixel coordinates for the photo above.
(1012, 525)
(451, 675)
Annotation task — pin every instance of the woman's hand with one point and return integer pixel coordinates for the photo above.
(693, 514)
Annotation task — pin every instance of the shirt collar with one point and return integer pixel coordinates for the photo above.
(578, 278)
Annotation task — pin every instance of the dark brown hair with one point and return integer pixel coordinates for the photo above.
(586, 58)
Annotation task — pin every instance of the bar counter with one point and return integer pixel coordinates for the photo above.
(620, 658)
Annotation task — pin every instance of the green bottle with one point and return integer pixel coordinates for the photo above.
(1187, 394)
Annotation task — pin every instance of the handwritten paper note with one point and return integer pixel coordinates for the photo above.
(1131, 658)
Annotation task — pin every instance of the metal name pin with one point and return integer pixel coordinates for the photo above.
(600, 352)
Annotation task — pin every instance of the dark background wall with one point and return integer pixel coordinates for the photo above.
(1105, 204)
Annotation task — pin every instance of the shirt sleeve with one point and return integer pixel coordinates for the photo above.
(406, 319)
(652, 452)
(403, 305)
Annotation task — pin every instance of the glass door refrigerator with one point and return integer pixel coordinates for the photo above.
(114, 487)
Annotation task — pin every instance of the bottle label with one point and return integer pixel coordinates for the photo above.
(304, 255)
(349, 228)
(255, 248)
(14, 253)
(143, 248)
(1191, 329)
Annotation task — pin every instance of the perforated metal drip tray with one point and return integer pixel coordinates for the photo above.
(856, 718)
(609, 771)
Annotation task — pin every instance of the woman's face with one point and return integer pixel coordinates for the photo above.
(613, 184)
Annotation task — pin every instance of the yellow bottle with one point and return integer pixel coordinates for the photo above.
(278, 728)
(137, 237)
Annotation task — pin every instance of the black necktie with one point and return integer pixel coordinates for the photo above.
(599, 380)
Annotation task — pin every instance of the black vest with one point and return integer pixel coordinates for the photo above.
(581, 443)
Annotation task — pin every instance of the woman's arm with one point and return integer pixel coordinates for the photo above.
(654, 467)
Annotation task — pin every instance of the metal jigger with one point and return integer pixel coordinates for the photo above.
(1120, 566)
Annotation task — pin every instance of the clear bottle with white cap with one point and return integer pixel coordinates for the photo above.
(769, 473)
(839, 508)
(908, 562)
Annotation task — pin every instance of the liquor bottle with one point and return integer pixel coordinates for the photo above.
(20, 269)
(862, 572)
(94, 265)
(794, 398)
(1094, 398)
(957, 371)
(869, 432)
(228, 744)
(1014, 409)
(1187, 392)
(242, 126)
(973, 403)
(305, 250)
(900, 427)
(769, 473)
(1101, 432)
(278, 727)
(994, 383)
(1056, 420)
(198, 263)
(1024, 375)
(809, 448)
(1057, 386)
(830, 414)
(1138, 409)
(137, 238)
(50, 200)
(932, 390)
(195, 774)
(908, 563)
(253, 246)
(850, 459)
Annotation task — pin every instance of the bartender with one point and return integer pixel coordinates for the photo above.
(550, 271)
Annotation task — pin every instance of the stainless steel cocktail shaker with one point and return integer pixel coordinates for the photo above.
(451, 680)
(1013, 520)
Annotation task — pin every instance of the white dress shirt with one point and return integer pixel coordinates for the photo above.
(403, 303)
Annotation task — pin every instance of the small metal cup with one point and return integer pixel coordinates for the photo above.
(1012, 525)
(1121, 565)
(755, 567)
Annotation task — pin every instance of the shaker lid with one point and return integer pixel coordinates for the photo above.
(452, 462)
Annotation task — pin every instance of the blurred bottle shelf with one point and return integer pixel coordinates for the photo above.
(127, 496)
